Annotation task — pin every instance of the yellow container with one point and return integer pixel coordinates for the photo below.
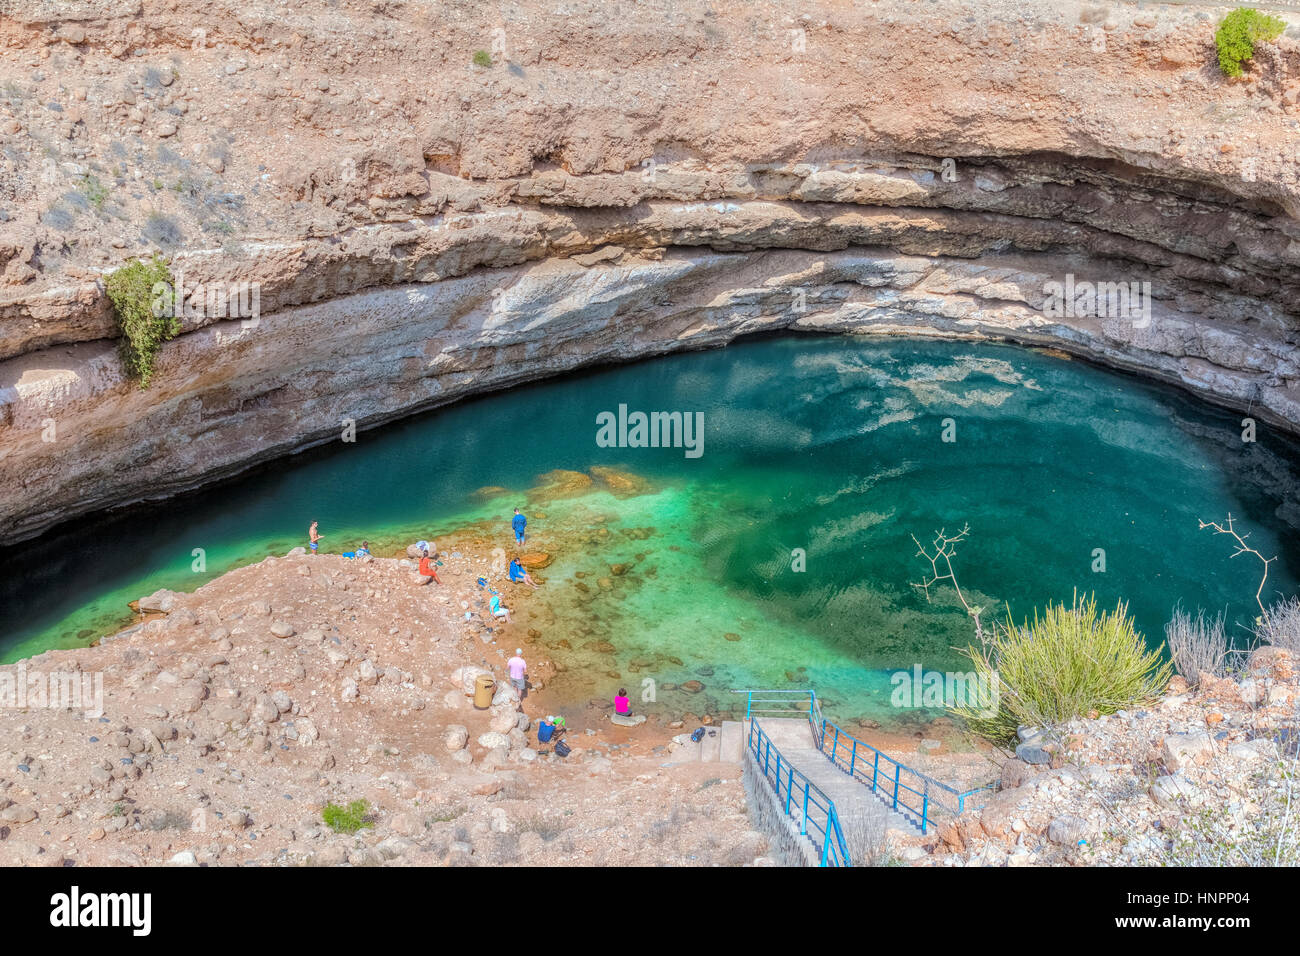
(484, 688)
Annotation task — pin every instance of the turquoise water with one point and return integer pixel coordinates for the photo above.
(830, 445)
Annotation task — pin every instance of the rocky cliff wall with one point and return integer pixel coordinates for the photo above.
(624, 180)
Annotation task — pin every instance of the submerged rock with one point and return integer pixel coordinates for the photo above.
(622, 484)
(562, 483)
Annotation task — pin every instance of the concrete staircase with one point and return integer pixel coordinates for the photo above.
(793, 737)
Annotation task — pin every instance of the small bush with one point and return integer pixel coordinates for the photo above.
(1069, 661)
(94, 191)
(482, 58)
(547, 829)
(162, 230)
(1239, 32)
(144, 317)
(1197, 645)
(1282, 628)
(347, 819)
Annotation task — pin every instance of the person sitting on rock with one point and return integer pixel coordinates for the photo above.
(427, 567)
(497, 608)
(364, 550)
(622, 706)
(519, 575)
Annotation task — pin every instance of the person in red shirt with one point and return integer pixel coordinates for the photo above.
(427, 567)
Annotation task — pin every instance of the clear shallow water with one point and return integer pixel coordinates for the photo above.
(828, 445)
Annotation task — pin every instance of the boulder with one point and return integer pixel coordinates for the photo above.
(1015, 773)
(1250, 750)
(999, 813)
(1269, 660)
(464, 677)
(1183, 750)
(492, 740)
(413, 550)
(455, 737)
(1033, 752)
(1168, 791)
(1068, 830)
(161, 600)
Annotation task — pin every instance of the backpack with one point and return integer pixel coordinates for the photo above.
(562, 749)
(697, 735)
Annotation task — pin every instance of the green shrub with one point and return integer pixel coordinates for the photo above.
(482, 58)
(1069, 661)
(94, 191)
(1238, 33)
(143, 312)
(347, 819)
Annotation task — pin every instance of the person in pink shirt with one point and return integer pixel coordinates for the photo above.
(622, 706)
(518, 669)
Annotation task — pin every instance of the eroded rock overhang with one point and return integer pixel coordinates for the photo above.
(395, 317)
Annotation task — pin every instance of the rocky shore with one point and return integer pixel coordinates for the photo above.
(235, 715)
(1205, 777)
(219, 729)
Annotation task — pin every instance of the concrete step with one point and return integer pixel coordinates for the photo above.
(731, 748)
(725, 743)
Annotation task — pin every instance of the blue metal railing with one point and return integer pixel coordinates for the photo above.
(801, 799)
(906, 790)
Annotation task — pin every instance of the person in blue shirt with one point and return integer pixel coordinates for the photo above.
(519, 576)
(518, 523)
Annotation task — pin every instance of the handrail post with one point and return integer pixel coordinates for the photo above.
(897, 768)
(835, 747)
(803, 824)
(789, 790)
(925, 809)
(875, 771)
(826, 839)
(853, 757)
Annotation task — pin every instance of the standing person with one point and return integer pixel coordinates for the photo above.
(518, 669)
(519, 522)
(314, 535)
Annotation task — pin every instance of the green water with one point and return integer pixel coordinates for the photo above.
(832, 446)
